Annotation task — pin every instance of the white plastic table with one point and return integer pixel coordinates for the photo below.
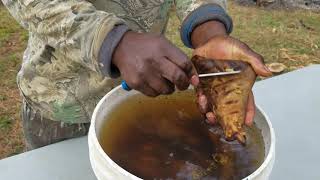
(292, 102)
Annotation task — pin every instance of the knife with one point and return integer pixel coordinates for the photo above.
(126, 87)
(219, 74)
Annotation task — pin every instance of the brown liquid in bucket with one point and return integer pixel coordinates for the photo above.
(168, 139)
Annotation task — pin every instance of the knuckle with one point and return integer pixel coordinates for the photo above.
(161, 41)
(186, 65)
(135, 82)
(260, 58)
(141, 71)
(256, 59)
(177, 75)
(180, 80)
(244, 46)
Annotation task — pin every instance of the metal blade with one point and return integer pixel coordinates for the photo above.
(219, 74)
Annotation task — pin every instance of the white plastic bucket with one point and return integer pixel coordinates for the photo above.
(106, 169)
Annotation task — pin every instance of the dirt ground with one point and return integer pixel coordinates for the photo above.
(289, 37)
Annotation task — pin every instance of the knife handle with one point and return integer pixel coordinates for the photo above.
(125, 86)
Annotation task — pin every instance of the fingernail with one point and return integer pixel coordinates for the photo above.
(249, 124)
(211, 117)
(195, 80)
(202, 104)
(266, 68)
(202, 100)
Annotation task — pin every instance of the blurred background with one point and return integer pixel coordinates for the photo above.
(285, 32)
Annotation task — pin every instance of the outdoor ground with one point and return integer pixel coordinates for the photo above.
(290, 37)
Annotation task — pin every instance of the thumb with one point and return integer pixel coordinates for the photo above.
(243, 52)
(228, 48)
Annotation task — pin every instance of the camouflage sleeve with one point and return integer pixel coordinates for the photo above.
(195, 12)
(72, 27)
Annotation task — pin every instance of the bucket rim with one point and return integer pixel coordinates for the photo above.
(93, 137)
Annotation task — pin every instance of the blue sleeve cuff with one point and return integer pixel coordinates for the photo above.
(201, 15)
(109, 44)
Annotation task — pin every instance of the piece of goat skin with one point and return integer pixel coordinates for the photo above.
(228, 94)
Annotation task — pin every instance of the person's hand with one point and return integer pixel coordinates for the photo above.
(152, 65)
(224, 47)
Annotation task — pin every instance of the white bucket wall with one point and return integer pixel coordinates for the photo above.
(106, 169)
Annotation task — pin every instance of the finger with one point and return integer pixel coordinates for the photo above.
(160, 85)
(243, 52)
(251, 108)
(203, 104)
(171, 87)
(228, 48)
(195, 78)
(211, 118)
(202, 100)
(174, 74)
(176, 56)
(148, 91)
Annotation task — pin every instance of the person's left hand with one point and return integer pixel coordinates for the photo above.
(224, 47)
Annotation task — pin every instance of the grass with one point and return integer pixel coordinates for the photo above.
(289, 37)
(5, 122)
(12, 44)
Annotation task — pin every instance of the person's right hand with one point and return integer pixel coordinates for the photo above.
(152, 65)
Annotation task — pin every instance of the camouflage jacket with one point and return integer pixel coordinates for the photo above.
(61, 75)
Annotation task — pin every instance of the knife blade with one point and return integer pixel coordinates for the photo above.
(219, 74)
